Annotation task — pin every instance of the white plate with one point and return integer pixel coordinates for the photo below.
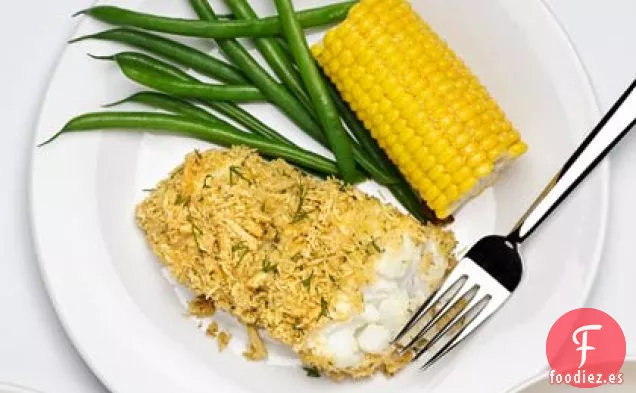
(123, 316)
(541, 383)
(11, 388)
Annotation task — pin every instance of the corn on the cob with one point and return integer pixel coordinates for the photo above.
(421, 103)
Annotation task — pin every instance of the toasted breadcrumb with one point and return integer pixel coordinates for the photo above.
(223, 340)
(276, 248)
(212, 329)
(256, 349)
(201, 307)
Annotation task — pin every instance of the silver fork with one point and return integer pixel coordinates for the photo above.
(491, 270)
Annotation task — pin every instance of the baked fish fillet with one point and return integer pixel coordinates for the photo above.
(319, 266)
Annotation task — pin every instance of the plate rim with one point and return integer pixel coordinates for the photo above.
(604, 169)
(540, 376)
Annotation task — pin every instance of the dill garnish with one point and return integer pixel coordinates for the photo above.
(180, 200)
(307, 281)
(268, 267)
(148, 189)
(196, 233)
(238, 247)
(324, 308)
(300, 214)
(375, 246)
(312, 372)
(235, 172)
(241, 250)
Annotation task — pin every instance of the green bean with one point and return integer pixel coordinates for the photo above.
(274, 92)
(206, 91)
(247, 120)
(264, 27)
(173, 50)
(325, 108)
(226, 16)
(185, 108)
(170, 104)
(142, 60)
(217, 134)
(275, 56)
(232, 111)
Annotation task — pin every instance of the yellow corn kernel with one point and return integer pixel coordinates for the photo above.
(517, 149)
(422, 104)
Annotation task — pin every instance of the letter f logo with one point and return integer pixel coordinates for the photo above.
(583, 344)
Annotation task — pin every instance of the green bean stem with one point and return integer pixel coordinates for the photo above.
(264, 27)
(275, 56)
(217, 134)
(173, 50)
(325, 108)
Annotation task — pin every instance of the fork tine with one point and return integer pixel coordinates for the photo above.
(455, 332)
(437, 301)
(441, 321)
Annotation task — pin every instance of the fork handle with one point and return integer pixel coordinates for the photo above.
(614, 125)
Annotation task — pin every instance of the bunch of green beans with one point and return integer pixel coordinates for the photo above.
(303, 93)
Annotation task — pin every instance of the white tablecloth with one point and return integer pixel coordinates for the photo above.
(34, 350)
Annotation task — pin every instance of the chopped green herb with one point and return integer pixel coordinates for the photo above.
(324, 308)
(375, 246)
(307, 281)
(242, 255)
(196, 233)
(235, 173)
(177, 172)
(300, 214)
(239, 249)
(198, 153)
(205, 181)
(268, 267)
(148, 190)
(312, 372)
(238, 246)
(180, 200)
